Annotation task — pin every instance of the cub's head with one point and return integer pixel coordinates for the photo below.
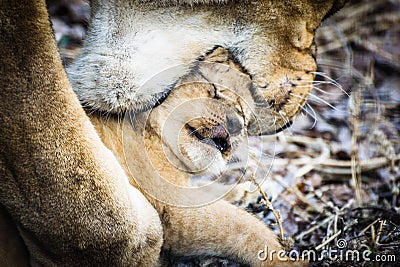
(206, 115)
(129, 42)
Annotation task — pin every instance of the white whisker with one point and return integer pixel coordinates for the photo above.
(324, 75)
(323, 101)
(284, 118)
(314, 116)
(318, 82)
(298, 96)
(324, 92)
(192, 132)
(92, 110)
(286, 121)
(314, 85)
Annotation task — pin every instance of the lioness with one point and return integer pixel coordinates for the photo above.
(66, 193)
(130, 41)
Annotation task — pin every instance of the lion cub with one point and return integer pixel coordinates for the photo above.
(142, 62)
(194, 130)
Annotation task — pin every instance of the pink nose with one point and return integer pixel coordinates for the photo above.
(218, 132)
(219, 138)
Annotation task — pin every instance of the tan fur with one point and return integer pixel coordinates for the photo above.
(131, 41)
(68, 197)
(64, 194)
(217, 228)
(272, 41)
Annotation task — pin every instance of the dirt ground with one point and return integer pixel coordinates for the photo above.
(335, 175)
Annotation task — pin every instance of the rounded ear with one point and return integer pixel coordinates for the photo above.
(338, 4)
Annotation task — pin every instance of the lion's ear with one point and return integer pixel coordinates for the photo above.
(337, 5)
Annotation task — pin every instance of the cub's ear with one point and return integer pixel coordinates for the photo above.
(337, 4)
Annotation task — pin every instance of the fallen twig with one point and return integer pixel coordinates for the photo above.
(268, 204)
(335, 235)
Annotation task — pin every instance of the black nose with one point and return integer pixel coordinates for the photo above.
(233, 125)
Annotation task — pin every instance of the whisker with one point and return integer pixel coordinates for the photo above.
(284, 118)
(286, 121)
(298, 96)
(318, 89)
(263, 154)
(119, 118)
(254, 158)
(324, 75)
(92, 110)
(133, 119)
(317, 100)
(324, 92)
(314, 83)
(323, 101)
(192, 132)
(318, 81)
(314, 116)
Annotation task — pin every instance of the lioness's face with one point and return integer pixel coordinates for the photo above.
(131, 41)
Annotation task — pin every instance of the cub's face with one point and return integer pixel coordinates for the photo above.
(130, 42)
(201, 122)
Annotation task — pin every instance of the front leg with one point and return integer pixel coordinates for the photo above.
(219, 229)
